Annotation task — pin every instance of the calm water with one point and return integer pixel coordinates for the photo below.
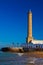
(19, 59)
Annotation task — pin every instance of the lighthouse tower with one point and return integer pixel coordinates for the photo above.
(29, 30)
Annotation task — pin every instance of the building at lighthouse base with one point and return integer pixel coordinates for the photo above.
(37, 41)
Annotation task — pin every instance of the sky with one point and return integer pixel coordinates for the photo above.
(13, 20)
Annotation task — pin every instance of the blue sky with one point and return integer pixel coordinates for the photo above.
(13, 20)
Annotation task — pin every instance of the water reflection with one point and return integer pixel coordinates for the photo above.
(19, 59)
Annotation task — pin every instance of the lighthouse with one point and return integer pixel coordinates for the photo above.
(29, 27)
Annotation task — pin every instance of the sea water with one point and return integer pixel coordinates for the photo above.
(19, 59)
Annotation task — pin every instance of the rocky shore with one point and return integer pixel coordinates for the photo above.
(31, 53)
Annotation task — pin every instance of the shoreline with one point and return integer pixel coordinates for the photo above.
(37, 54)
